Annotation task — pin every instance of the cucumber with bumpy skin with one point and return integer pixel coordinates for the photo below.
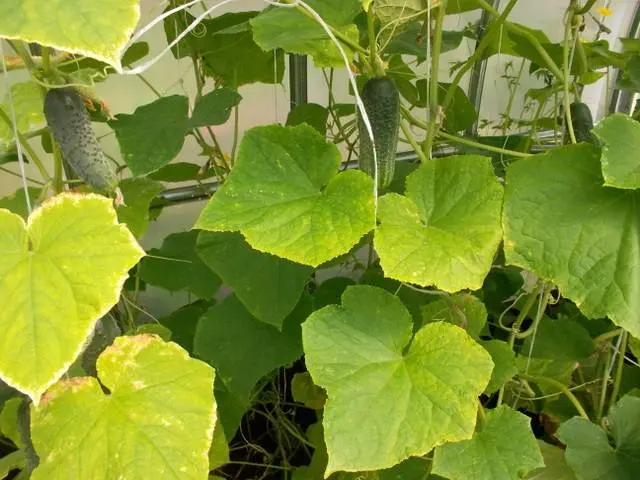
(70, 126)
(382, 104)
(582, 122)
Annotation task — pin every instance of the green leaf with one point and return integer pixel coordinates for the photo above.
(138, 194)
(154, 134)
(574, 231)
(154, 329)
(555, 468)
(446, 230)
(9, 421)
(402, 11)
(59, 273)
(463, 310)
(269, 287)
(562, 339)
(233, 58)
(17, 203)
(330, 291)
(620, 137)
(183, 322)
(306, 392)
(589, 452)
(95, 35)
(503, 447)
(293, 31)
(412, 41)
(176, 266)
(312, 114)
(156, 422)
(176, 172)
(26, 98)
(13, 461)
(411, 469)
(379, 384)
(460, 114)
(504, 360)
(286, 197)
(214, 108)
(243, 349)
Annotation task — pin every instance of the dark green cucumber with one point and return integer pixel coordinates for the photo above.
(70, 126)
(582, 122)
(382, 103)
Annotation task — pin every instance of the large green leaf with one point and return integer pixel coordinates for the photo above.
(286, 197)
(242, 348)
(176, 266)
(620, 137)
(184, 321)
(462, 309)
(100, 31)
(154, 134)
(503, 447)
(59, 273)
(504, 360)
(17, 203)
(378, 383)
(555, 466)
(26, 98)
(227, 49)
(268, 286)
(569, 228)
(591, 455)
(401, 11)
(561, 339)
(156, 422)
(138, 194)
(446, 230)
(294, 31)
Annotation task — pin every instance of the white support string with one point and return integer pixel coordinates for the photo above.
(297, 3)
(14, 122)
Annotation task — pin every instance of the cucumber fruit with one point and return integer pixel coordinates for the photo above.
(382, 104)
(70, 126)
(582, 122)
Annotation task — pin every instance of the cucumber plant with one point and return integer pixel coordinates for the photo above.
(473, 315)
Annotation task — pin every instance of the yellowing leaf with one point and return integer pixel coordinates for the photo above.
(156, 422)
(100, 30)
(59, 273)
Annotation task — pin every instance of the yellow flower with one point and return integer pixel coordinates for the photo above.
(604, 11)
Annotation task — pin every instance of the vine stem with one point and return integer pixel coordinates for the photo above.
(608, 335)
(515, 328)
(587, 6)
(560, 386)
(25, 144)
(371, 32)
(434, 105)
(463, 141)
(413, 142)
(624, 338)
(568, 28)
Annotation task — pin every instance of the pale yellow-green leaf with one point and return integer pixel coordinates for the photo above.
(97, 29)
(156, 422)
(59, 273)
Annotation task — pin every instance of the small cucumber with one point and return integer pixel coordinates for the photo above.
(582, 122)
(382, 104)
(70, 126)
